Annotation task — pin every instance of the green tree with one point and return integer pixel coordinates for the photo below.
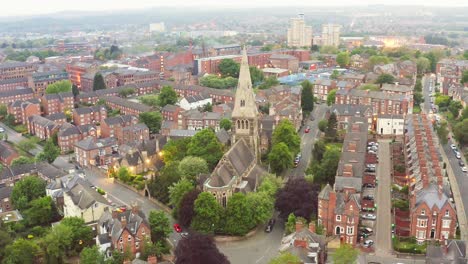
(225, 124)
(286, 258)
(442, 101)
(82, 234)
(332, 126)
(256, 75)
(5, 240)
(159, 186)
(286, 132)
(345, 254)
(41, 211)
(150, 100)
(335, 74)
(319, 150)
(175, 150)
(331, 97)
(123, 174)
(369, 87)
(325, 171)
(22, 160)
(91, 255)
(343, 59)
(206, 145)
(75, 90)
(280, 157)
(191, 167)
(322, 125)
(98, 82)
(228, 67)
(307, 97)
(27, 144)
(207, 214)
(217, 82)
(126, 92)
(22, 251)
(423, 64)
(385, 78)
(206, 108)
(464, 79)
(151, 249)
(152, 120)
(167, 96)
(376, 60)
(262, 204)
(460, 132)
(27, 189)
(178, 190)
(418, 98)
(59, 87)
(270, 185)
(418, 85)
(3, 110)
(57, 243)
(160, 226)
(442, 132)
(454, 108)
(291, 223)
(239, 215)
(268, 83)
(50, 152)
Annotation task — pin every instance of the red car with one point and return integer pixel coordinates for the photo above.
(307, 130)
(177, 228)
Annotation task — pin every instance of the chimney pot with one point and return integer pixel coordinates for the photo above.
(299, 226)
(312, 227)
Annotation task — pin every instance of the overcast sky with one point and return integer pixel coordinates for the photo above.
(32, 7)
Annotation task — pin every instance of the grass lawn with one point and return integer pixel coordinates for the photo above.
(416, 109)
(336, 145)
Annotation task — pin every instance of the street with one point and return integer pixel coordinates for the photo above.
(308, 139)
(16, 137)
(383, 242)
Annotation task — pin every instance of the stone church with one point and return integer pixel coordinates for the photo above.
(239, 169)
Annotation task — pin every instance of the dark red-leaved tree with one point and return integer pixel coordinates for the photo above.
(186, 208)
(299, 197)
(198, 249)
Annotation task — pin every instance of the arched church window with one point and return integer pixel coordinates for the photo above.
(238, 124)
(242, 103)
(246, 124)
(242, 124)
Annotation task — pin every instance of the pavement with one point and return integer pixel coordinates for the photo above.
(16, 137)
(383, 242)
(308, 139)
(458, 179)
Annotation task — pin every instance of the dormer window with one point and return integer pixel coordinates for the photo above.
(447, 213)
(338, 218)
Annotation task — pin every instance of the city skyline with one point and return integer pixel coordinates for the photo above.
(53, 6)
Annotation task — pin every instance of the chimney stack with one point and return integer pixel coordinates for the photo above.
(312, 226)
(299, 226)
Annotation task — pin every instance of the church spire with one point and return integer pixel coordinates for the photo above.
(245, 105)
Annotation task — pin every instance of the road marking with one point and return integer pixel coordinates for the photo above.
(258, 260)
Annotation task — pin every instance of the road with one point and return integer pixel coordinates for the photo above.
(16, 137)
(458, 179)
(383, 242)
(308, 139)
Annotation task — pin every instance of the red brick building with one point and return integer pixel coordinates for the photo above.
(58, 103)
(77, 70)
(15, 70)
(284, 61)
(22, 110)
(210, 65)
(42, 127)
(171, 112)
(12, 84)
(21, 94)
(89, 115)
(126, 107)
(42, 79)
(7, 153)
(133, 133)
(111, 125)
(69, 135)
(322, 87)
(95, 152)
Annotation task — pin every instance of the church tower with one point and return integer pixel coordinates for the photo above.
(245, 113)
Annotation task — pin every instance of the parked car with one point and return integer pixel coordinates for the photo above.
(368, 243)
(369, 216)
(270, 225)
(367, 230)
(453, 147)
(184, 234)
(461, 163)
(368, 197)
(2, 130)
(458, 155)
(370, 166)
(368, 185)
(465, 169)
(177, 228)
(307, 130)
(370, 170)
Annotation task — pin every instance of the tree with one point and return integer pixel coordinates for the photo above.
(291, 223)
(207, 108)
(3, 110)
(328, 50)
(280, 157)
(126, 92)
(418, 85)
(5, 240)
(91, 255)
(299, 197)
(418, 98)
(175, 150)
(286, 132)
(256, 75)
(228, 67)
(335, 74)
(206, 145)
(75, 90)
(217, 82)
(369, 87)
(423, 64)
(191, 167)
(307, 97)
(385, 78)
(376, 60)
(178, 190)
(454, 108)
(225, 124)
(152, 120)
(198, 249)
(186, 207)
(331, 131)
(345, 254)
(270, 185)
(152, 249)
(343, 59)
(464, 79)
(59, 87)
(322, 125)
(319, 150)
(22, 160)
(460, 132)
(331, 97)
(26, 190)
(98, 82)
(167, 96)
(442, 101)
(82, 234)
(159, 186)
(262, 205)
(123, 174)
(207, 214)
(41, 211)
(21, 251)
(50, 152)
(268, 83)
(442, 132)
(286, 258)
(325, 171)
(57, 243)
(239, 215)
(160, 226)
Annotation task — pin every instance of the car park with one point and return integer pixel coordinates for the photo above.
(369, 216)
(270, 225)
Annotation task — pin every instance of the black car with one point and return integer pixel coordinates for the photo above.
(368, 185)
(368, 197)
(461, 163)
(270, 225)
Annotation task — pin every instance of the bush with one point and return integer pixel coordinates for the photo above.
(100, 191)
(140, 185)
(401, 204)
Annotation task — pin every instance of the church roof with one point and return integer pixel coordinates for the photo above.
(245, 105)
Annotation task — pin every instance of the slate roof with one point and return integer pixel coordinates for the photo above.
(90, 143)
(84, 196)
(58, 96)
(88, 110)
(325, 192)
(169, 108)
(42, 121)
(126, 103)
(136, 128)
(13, 64)
(42, 168)
(431, 197)
(5, 192)
(16, 80)
(114, 225)
(119, 119)
(21, 91)
(456, 253)
(6, 150)
(349, 109)
(56, 116)
(196, 98)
